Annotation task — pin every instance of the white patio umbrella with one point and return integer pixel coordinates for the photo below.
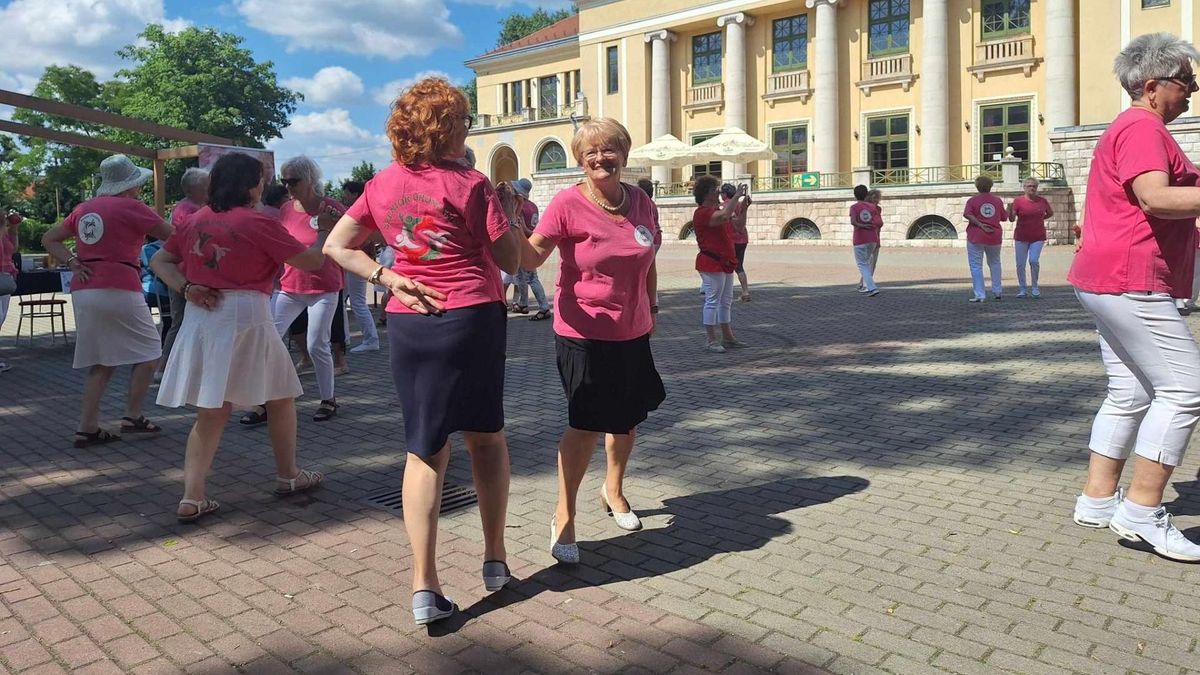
(732, 145)
(665, 151)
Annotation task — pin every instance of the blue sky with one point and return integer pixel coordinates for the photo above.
(348, 56)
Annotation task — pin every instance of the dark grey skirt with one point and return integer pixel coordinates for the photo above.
(611, 386)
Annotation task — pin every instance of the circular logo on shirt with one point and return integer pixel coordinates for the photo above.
(864, 216)
(313, 222)
(91, 228)
(643, 236)
(988, 210)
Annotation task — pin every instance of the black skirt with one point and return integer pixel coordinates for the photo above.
(449, 373)
(611, 387)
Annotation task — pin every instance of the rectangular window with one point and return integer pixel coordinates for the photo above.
(789, 43)
(613, 86)
(709, 169)
(887, 142)
(1003, 126)
(791, 144)
(518, 97)
(706, 58)
(576, 86)
(548, 97)
(888, 27)
(1002, 18)
(504, 110)
(1148, 4)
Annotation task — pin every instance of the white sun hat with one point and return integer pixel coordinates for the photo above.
(118, 174)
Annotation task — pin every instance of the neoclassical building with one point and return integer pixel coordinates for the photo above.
(914, 96)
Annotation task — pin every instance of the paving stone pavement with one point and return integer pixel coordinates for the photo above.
(874, 485)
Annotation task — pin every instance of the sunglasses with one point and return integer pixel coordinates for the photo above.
(1186, 81)
(289, 182)
(469, 120)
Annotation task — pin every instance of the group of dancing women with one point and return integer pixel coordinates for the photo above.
(452, 233)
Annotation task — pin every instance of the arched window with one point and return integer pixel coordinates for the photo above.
(801, 228)
(551, 157)
(932, 227)
(687, 232)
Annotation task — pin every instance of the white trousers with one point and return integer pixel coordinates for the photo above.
(975, 254)
(1153, 367)
(4, 308)
(356, 290)
(1031, 251)
(865, 256)
(321, 308)
(718, 297)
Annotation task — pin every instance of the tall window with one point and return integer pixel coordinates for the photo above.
(888, 28)
(789, 43)
(551, 157)
(791, 144)
(518, 97)
(576, 91)
(548, 97)
(706, 58)
(1002, 126)
(709, 169)
(1002, 18)
(1147, 4)
(887, 142)
(613, 86)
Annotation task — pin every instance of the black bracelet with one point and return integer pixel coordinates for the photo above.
(654, 309)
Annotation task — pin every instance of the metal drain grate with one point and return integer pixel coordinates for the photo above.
(454, 497)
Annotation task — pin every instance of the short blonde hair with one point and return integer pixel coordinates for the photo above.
(1029, 180)
(984, 184)
(604, 131)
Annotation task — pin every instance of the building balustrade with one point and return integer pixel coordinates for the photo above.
(548, 115)
(885, 70)
(786, 85)
(1004, 54)
(704, 96)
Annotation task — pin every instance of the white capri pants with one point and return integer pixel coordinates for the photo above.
(1031, 251)
(718, 297)
(356, 290)
(1153, 367)
(975, 254)
(321, 308)
(865, 256)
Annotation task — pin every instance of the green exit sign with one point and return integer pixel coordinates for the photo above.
(806, 180)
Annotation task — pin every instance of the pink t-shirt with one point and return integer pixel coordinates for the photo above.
(863, 213)
(1123, 248)
(236, 250)
(441, 221)
(303, 228)
(8, 245)
(740, 235)
(529, 211)
(182, 211)
(987, 208)
(109, 233)
(1031, 218)
(601, 292)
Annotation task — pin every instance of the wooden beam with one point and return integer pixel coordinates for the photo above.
(78, 112)
(76, 139)
(160, 187)
(185, 152)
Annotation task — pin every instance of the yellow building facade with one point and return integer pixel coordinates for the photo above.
(904, 91)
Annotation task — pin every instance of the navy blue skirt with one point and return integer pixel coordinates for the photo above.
(449, 373)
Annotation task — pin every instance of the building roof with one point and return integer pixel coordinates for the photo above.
(568, 27)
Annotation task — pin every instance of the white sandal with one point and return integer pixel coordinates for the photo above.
(203, 508)
(303, 482)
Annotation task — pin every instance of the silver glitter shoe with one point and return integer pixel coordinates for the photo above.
(627, 520)
(564, 553)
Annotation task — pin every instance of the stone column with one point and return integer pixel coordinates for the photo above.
(1062, 90)
(535, 99)
(660, 93)
(735, 80)
(560, 99)
(825, 88)
(934, 83)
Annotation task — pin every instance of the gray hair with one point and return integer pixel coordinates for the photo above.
(193, 177)
(305, 169)
(1153, 56)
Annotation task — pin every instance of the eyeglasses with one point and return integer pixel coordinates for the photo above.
(1187, 81)
(289, 182)
(469, 120)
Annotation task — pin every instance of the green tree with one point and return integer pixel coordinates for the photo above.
(364, 172)
(517, 25)
(472, 93)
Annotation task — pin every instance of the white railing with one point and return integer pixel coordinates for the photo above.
(787, 83)
(1018, 48)
(706, 94)
(888, 67)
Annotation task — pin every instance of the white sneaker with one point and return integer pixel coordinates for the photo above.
(4, 367)
(975, 300)
(1159, 532)
(1037, 293)
(366, 346)
(1096, 516)
(715, 347)
(1021, 293)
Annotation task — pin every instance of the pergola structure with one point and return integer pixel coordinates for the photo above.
(83, 114)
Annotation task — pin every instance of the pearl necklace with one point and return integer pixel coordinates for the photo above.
(606, 207)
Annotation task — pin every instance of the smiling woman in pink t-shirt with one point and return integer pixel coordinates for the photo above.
(604, 316)
(224, 259)
(1029, 211)
(113, 326)
(1137, 256)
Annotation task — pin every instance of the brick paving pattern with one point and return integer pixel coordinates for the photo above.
(875, 485)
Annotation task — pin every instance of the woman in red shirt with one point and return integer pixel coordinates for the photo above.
(1029, 211)
(446, 319)
(717, 260)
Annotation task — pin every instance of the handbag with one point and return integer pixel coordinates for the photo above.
(8, 284)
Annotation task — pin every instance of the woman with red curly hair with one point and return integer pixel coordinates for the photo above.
(446, 320)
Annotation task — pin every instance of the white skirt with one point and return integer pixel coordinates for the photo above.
(113, 327)
(231, 353)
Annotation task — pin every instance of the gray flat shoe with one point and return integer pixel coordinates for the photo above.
(429, 607)
(495, 575)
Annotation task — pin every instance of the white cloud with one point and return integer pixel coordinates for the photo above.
(384, 95)
(85, 33)
(331, 123)
(329, 85)
(548, 5)
(332, 139)
(391, 29)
